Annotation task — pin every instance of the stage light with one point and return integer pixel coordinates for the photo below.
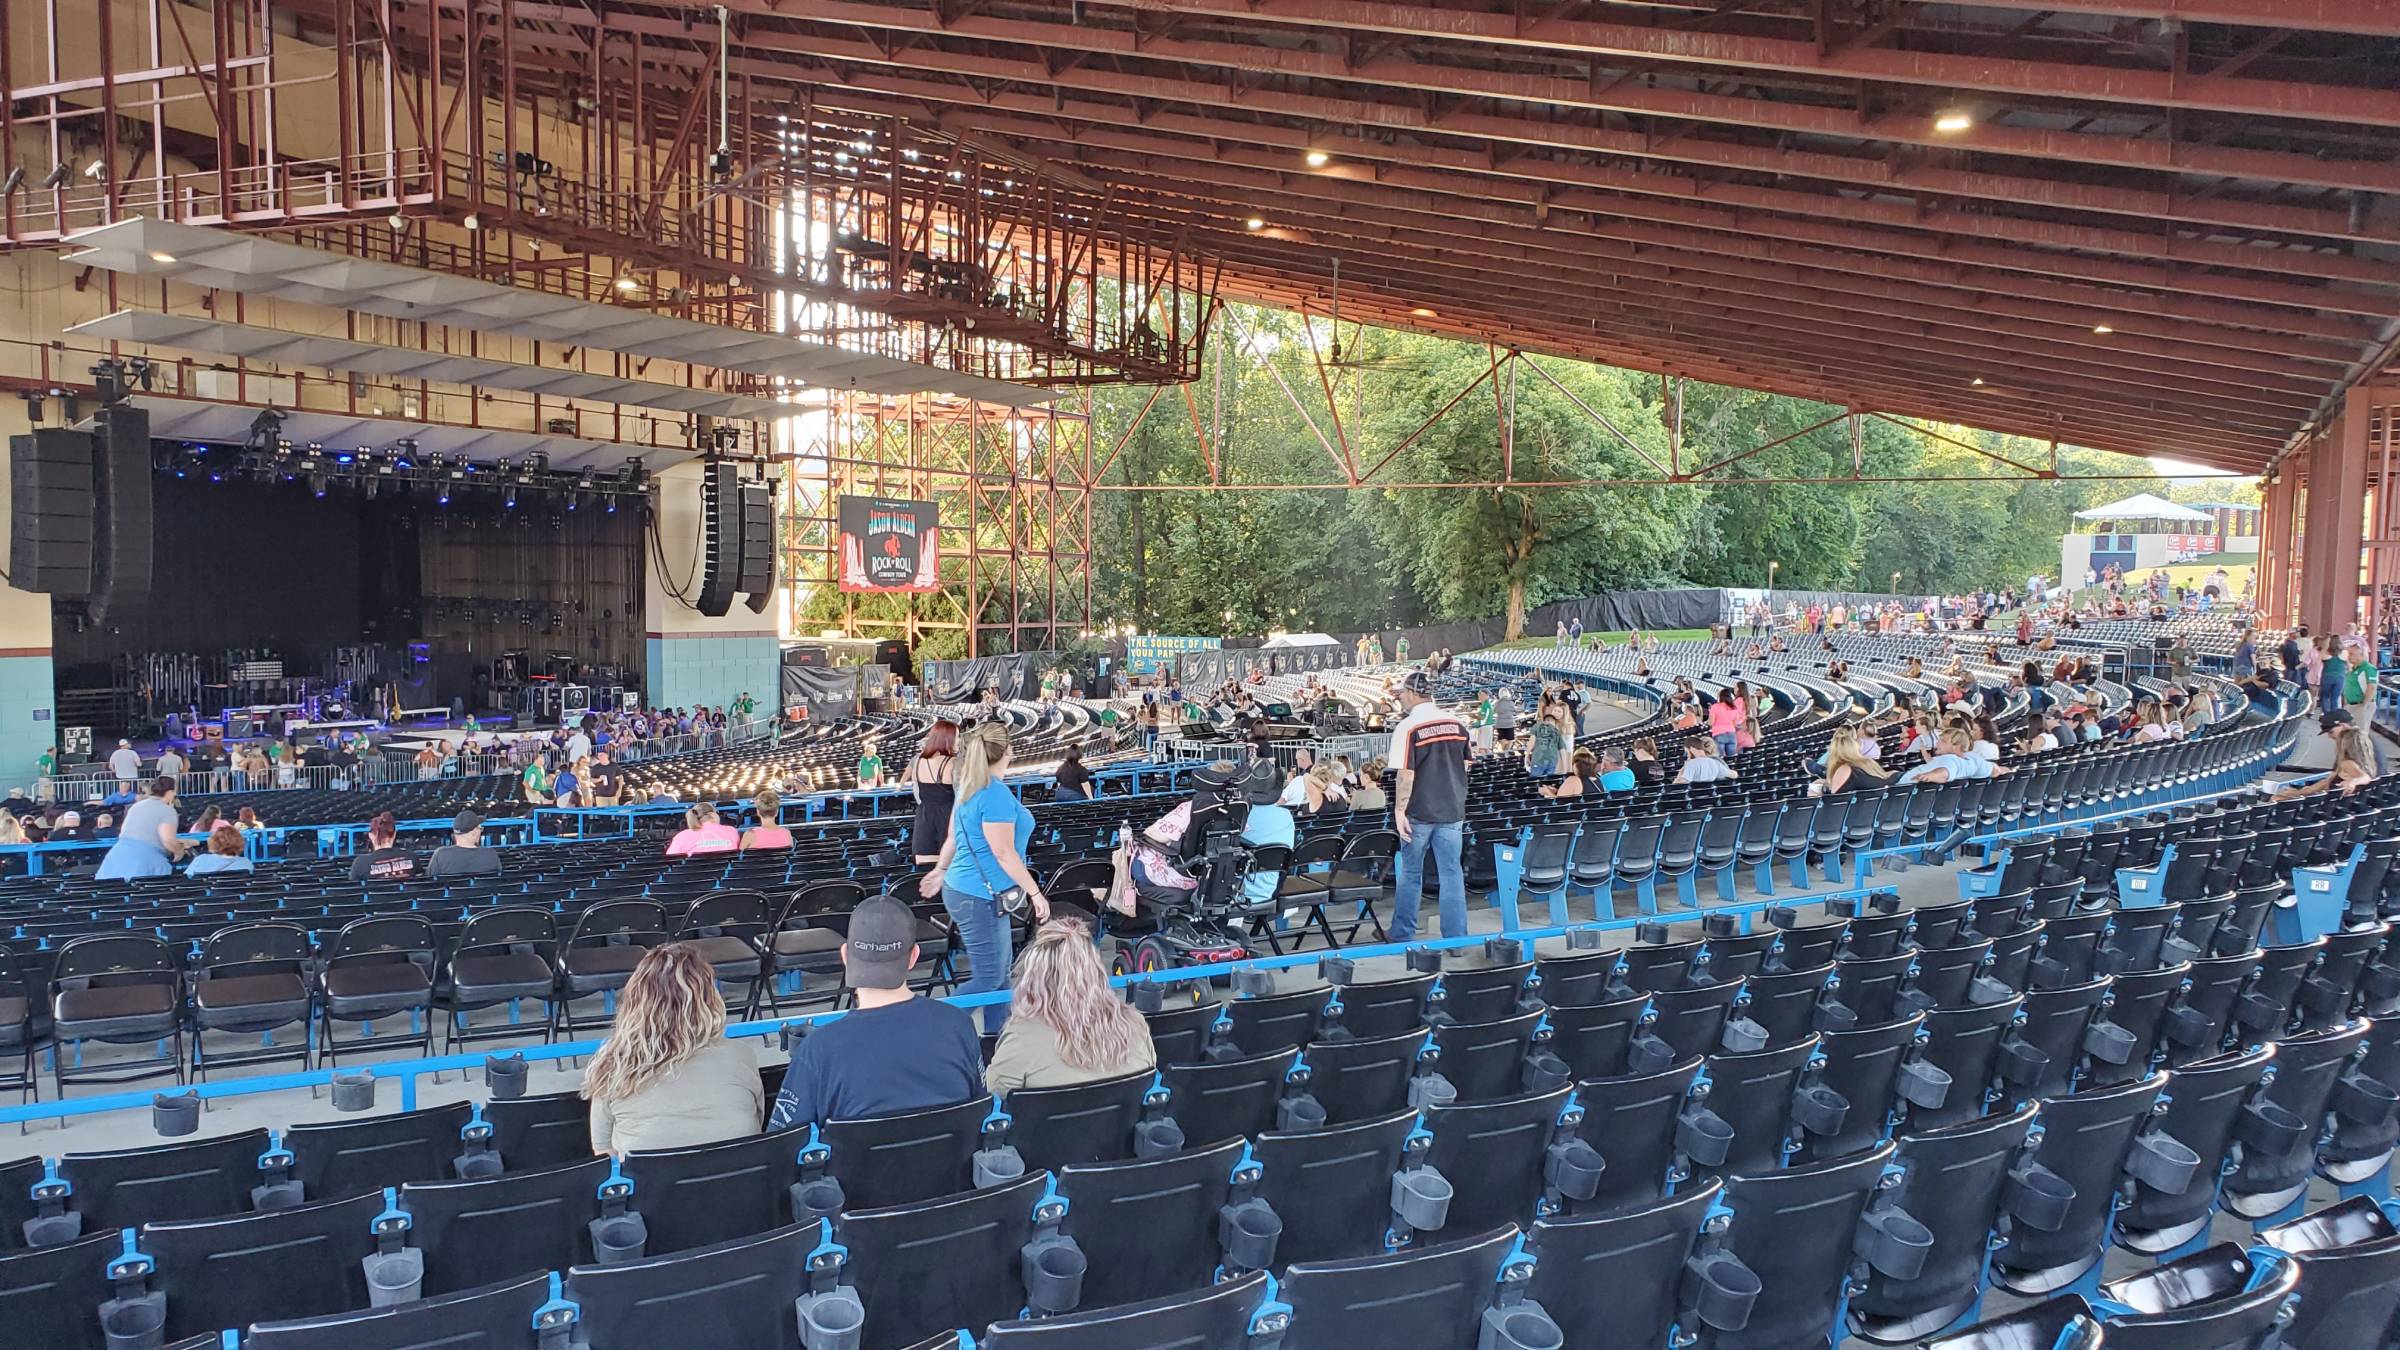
(1317, 159)
(628, 285)
(93, 169)
(510, 501)
(56, 178)
(316, 484)
(15, 180)
(1953, 122)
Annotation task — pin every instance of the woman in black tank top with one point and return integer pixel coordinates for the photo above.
(929, 774)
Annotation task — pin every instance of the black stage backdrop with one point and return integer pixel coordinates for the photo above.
(272, 566)
(238, 564)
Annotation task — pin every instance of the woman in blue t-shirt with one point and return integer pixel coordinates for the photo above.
(983, 858)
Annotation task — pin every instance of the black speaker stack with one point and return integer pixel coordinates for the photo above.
(738, 539)
(80, 515)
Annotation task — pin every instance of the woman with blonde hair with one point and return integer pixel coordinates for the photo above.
(1068, 1025)
(989, 829)
(12, 829)
(666, 1077)
(1848, 767)
(769, 831)
(1323, 787)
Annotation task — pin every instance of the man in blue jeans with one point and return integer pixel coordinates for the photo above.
(1429, 750)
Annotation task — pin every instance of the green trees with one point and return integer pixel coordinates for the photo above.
(1240, 545)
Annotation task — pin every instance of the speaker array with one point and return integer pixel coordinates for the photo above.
(738, 544)
(80, 512)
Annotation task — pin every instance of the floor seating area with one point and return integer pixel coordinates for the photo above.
(1857, 1119)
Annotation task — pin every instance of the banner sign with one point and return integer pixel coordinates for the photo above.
(888, 544)
(1147, 655)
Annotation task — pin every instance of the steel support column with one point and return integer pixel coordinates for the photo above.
(2332, 551)
(2275, 536)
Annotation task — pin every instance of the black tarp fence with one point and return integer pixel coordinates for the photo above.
(1606, 612)
(1738, 602)
(1016, 675)
(1207, 670)
(826, 691)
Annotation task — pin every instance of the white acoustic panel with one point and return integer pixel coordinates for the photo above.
(203, 255)
(177, 419)
(200, 334)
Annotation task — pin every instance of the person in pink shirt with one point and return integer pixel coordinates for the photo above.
(1725, 723)
(702, 832)
(768, 803)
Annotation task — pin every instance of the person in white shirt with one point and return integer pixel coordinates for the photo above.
(1702, 765)
(1952, 765)
(1295, 792)
(171, 764)
(126, 764)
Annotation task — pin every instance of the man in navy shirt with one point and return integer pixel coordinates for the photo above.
(895, 1052)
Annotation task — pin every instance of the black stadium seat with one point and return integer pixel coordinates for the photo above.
(1217, 1317)
(342, 1158)
(472, 1232)
(230, 1272)
(497, 1316)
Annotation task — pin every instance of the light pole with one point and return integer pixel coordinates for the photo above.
(1771, 566)
(1895, 583)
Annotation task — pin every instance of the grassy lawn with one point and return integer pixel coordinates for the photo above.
(1613, 639)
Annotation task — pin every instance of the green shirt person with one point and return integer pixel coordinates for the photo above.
(536, 780)
(745, 704)
(870, 768)
(46, 764)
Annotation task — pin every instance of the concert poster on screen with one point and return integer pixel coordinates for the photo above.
(888, 544)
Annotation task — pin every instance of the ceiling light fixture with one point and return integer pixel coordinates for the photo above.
(1424, 313)
(628, 285)
(1254, 224)
(2102, 329)
(1977, 381)
(1953, 122)
(162, 257)
(1317, 159)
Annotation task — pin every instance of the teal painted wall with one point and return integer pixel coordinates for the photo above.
(688, 669)
(28, 721)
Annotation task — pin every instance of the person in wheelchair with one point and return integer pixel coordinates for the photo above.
(1159, 869)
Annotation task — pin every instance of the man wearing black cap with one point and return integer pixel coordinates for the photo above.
(895, 1051)
(1429, 810)
(464, 855)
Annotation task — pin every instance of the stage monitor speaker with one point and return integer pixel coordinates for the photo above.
(757, 556)
(720, 535)
(122, 516)
(50, 513)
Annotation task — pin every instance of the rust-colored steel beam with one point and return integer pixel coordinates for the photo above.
(1754, 49)
(1834, 375)
(1266, 176)
(1872, 362)
(1883, 174)
(1572, 304)
(1825, 372)
(1832, 223)
(2366, 18)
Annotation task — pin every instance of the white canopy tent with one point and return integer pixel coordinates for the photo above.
(2146, 506)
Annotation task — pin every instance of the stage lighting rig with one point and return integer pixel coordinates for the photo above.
(266, 431)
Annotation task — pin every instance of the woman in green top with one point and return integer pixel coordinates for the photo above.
(1548, 743)
(870, 767)
(537, 783)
